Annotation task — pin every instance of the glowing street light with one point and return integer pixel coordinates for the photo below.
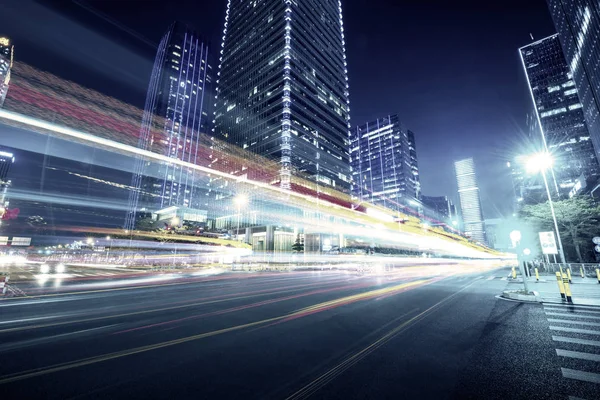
(175, 221)
(109, 246)
(540, 162)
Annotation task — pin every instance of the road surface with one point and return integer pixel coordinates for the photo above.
(296, 335)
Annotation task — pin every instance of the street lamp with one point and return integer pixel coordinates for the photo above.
(241, 200)
(540, 162)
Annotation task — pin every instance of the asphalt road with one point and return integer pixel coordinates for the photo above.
(415, 334)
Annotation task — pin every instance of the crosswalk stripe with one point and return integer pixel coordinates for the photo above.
(572, 315)
(572, 307)
(578, 354)
(567, 339)
(503, 279)
(574, 330)
(580, 375)
(563, 321)
(578, 311)
(22, 276)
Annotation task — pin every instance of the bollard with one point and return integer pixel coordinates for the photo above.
(561, 287)
(567, 289)
(537, 275)
(582, 273)
(514, 273)
(598, 274)
(569, 274)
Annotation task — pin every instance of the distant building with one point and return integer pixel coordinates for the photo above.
(441, 206)
(564, 130)
(470, 202)
(283, 87)
(6, 161)
(384, 163)
(578, 25)
(175, 116)
(6, 62)
(497, 233)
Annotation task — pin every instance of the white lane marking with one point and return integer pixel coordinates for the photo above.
(503, 279)
(567, 339)
(576, 313)
(580, 375)
(573, 307)
(575, 398)
(574, 330)
(578, 354)
(490, 278)
(22, 276)
(572, 315)
(14, 321)
(573, 322)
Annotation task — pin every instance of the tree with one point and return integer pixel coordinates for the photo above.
(577, 220)
(298, 246)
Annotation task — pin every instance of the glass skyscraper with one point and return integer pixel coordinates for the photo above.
(578, 25)
(560, 114)
(470, 202)
(384, 163)
(176, 115)
(6, 61)
(282, 87)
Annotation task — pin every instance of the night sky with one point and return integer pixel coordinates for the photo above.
(450, 69)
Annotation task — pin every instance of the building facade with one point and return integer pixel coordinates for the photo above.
(176, 115)
(578, 25)
(7, 159)
(6, 62)
(559, 111)
(470, 201)
(384, 163)
(282, 87)
(441, 207)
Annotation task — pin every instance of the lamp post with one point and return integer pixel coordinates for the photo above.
(240, 201)
(540, 163)
(515, 237)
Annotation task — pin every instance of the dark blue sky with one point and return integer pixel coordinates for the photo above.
(450, 69)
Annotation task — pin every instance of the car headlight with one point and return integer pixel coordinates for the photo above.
(60, 268)
(44, 268)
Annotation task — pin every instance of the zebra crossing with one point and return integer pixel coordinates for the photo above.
(575, 332)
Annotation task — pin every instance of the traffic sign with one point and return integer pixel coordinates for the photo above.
(596, 240)
(548, 243)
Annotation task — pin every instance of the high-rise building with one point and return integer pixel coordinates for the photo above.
(441, 206)
(470, 202)
(176, 115)
(578, 25)
(384, 163)
(282, 87)
(564, 130)
(6, 62)
(6, 161)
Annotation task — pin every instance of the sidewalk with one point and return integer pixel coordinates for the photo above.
(585, 291)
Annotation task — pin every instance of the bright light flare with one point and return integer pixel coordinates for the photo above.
(44, 269)
(60, 268)
(539, 162)
(372, 212)
(241, 200)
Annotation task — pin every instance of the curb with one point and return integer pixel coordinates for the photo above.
(529, 298)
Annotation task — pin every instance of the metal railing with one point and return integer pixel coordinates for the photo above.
(578, 270)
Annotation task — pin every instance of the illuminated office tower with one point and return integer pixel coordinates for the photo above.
(578, 25)
(470, 202)
(6, 62)
(176, 115)
(7, 159)
(384, 163)
(282, 87)
(558, 108)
